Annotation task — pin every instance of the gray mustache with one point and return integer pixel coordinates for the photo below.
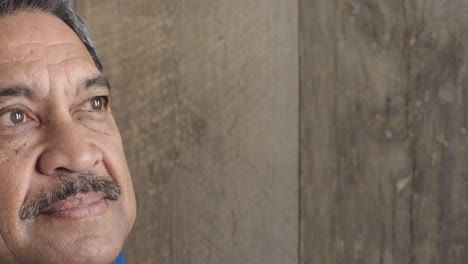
(69, 185)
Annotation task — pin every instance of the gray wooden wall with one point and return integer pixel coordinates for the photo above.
(205, 94)
(291, 131)
(384, 91)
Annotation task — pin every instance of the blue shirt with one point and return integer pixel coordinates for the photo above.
(119, 260)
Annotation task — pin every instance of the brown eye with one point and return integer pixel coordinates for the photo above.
(17, 117)
(13, 117)
(96, 104)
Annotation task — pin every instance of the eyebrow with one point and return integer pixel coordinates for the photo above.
(17, 90)
(99, 81)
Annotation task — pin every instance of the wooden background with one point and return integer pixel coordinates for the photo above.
(301, 131)
(205, 95)
(384, 91)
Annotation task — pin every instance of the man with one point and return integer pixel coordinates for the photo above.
(65, 195)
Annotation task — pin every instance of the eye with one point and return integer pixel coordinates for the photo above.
(13, 117)
(96, 104)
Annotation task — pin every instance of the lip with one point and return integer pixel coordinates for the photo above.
(78, 207)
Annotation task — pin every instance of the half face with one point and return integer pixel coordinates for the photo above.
(55, 122)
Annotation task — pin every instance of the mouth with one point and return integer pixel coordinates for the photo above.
(78, 207)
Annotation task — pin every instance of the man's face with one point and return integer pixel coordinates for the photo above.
(55, 124)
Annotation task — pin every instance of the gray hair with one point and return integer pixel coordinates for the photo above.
(59, 8)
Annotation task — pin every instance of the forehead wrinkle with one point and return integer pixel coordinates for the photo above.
(39, 51)
(39, 43)
(41, 61)
(7, 62)
(64, 61)
(69, 53)
(44, 43)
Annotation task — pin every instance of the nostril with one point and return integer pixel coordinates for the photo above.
(63, 169)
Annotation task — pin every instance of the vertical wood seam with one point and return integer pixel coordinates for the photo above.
(300, 134)
(407, 50)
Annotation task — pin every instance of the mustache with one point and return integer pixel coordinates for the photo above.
(68, 185)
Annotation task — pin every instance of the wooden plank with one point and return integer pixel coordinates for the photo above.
(383, 134)
(355, 158)
(437, 65)
(206, 97)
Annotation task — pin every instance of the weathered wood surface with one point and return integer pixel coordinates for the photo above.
(384, 91)
(206, 96)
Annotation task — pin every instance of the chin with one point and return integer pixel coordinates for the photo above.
(102, 254)
(76, 249)
(91, 253)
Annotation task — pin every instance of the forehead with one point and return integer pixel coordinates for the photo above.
(32, 44)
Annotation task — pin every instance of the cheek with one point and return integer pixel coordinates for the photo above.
(11, 146)
(116, 165)
(17, 165)
(16, 168)
(11, 191)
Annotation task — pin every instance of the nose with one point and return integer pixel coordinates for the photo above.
(68, 148)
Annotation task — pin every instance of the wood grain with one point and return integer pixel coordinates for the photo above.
(383, 132)
(206, 97)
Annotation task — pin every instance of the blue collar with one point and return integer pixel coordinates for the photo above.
(119, 260)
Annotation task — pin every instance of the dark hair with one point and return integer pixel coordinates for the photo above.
(59, 8)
